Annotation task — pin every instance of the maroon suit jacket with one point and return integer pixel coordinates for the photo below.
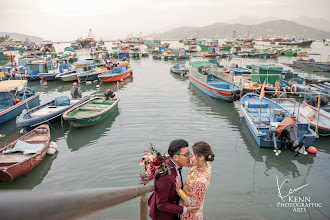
(164, 200)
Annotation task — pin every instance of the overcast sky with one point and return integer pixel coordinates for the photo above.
(60, 20)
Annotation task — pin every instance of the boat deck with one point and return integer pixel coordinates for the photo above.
(50, 109)
(13, 157)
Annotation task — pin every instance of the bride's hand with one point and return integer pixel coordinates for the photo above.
(178, 183)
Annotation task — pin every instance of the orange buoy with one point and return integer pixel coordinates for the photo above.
(16, 101)
(311, 118)
(312, 150)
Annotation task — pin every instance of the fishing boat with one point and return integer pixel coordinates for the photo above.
(82, 66)
(321, 120)
(25, 153)
(239, 70)
(298, 42)
(91, 112)
(307, 114)
(116, 74)
(47, 113)
(179, 69)
(91, 76)
(203, 75)
(311, 62)
(14, 98)
(263, 118)
(63, 68)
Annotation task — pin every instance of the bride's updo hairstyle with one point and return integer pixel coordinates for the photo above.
(202, 148)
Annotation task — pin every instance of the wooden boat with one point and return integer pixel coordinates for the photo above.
(262, 117)
(179, 69)
(90, 112)
(47, 113)
(25, 153)
(204, 78)
(116, 74)
(250, 87)
(14, 99)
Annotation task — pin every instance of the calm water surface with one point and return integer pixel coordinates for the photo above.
(156, 107)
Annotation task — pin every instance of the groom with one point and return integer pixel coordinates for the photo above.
(164, 200)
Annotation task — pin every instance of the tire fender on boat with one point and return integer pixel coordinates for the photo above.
(293, 89)
(54, 64)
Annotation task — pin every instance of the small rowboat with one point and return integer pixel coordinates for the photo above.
(90, 112)
(179, 69)
(117, 74)
(25, 153)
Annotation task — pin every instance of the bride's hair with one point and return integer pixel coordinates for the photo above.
(202, 148)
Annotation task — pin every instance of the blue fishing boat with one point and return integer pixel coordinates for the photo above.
(263, 119)
(14, 98)
(311, 62)
(203, 75)
(47, 113)
(179, 69)
(239, 70)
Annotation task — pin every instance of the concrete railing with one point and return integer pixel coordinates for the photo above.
(24, 204)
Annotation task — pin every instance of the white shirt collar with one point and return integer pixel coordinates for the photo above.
(176, 166)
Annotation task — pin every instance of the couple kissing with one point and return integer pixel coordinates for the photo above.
(177, 199)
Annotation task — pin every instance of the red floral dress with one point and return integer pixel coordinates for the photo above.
(195, 187)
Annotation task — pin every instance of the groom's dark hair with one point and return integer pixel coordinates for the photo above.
(176, 146)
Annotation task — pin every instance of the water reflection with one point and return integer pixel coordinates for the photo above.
(32, 178)
(79, 137)
(218, 107)
(179, 77)
(8, 129)
(114, 86)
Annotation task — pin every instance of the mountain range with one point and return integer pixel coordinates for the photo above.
(21, 37)
(224, 30)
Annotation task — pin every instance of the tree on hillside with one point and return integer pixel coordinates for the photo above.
(2, 39)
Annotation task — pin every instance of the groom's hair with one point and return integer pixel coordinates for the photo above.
(176, 146)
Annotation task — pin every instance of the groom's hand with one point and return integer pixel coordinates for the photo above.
(192, 209)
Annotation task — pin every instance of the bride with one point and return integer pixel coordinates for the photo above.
(197, 181)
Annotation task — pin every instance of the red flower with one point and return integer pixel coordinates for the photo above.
(158, 161)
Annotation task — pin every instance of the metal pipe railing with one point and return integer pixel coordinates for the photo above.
(24, 204)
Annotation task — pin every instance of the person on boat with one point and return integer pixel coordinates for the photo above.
(164, 201)
(197, 181)
(75, 92)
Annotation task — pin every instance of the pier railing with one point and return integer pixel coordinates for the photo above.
(37, 204)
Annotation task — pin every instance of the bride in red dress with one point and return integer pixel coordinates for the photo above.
(197, 181)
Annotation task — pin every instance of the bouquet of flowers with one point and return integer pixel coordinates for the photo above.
(153, 164)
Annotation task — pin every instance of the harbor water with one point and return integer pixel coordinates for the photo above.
(157, 106)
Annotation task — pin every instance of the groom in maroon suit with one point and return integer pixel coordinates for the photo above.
(164, 200)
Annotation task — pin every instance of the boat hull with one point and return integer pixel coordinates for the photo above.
(85, 121)
(15, 110)
(213, 92)
(10, 170)
(115, 78)
(88, 77)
